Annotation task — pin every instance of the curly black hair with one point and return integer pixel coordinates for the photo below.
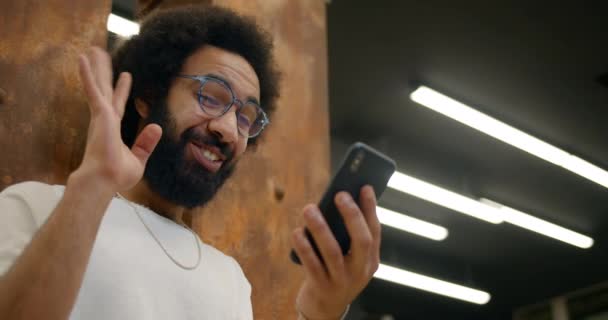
(167, 38)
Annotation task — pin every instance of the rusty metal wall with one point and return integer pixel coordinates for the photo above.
(43, 121)
(260, 208)
(254, 214)
(43, 112)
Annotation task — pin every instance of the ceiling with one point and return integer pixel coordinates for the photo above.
(532, 64)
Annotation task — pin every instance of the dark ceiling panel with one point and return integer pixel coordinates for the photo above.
(124, 8)
(529, 64)
(603, 79)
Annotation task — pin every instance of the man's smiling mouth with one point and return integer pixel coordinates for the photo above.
(208, 156)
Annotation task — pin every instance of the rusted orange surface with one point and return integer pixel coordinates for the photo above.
(43, 112)
(254, 214)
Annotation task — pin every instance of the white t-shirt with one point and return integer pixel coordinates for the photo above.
(128, 275)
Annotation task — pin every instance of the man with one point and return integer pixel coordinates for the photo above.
(109, 245)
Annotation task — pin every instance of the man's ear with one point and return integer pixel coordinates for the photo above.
(142, 108)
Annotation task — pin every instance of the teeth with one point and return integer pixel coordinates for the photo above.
(210, 155)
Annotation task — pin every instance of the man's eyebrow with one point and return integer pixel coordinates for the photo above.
(218, 77)
(225, 82)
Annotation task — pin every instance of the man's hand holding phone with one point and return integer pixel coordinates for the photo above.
(332, 284)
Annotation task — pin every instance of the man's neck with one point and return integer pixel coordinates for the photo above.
(141, 194)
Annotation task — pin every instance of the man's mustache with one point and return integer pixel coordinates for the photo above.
(211, 140)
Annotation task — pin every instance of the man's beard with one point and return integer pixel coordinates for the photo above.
(182, 181)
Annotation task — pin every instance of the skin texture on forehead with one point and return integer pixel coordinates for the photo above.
(233, 68)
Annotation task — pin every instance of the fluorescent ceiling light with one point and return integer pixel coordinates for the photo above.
(418, 281)
(537, 225)
(411, 225)
(122, 26)
(501, 131)
(443, 197)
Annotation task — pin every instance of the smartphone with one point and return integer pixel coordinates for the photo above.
(361, 166)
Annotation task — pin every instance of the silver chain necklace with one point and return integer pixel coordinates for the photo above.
(179, 264)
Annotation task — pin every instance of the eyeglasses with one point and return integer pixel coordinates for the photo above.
(215, 97)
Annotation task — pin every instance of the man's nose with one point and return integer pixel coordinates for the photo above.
(225, 127)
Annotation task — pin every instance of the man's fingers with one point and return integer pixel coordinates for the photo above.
(90, 86)
(101, 65)
(360, 235)
(311, 263)
(325, 241)
(367, 200)
(121, 93)
(146, 141)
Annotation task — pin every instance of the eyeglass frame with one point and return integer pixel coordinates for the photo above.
(202, 79)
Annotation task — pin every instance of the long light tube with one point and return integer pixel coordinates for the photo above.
(540, 226)
(412, 225)
(122, 26)
(464, 114)
(443, 197)
(426, 283)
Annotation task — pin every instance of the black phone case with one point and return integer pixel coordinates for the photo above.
(362, 165)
